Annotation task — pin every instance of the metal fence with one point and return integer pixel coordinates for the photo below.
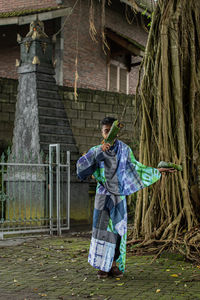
(35, 192)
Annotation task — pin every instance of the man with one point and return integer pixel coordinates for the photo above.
(118, 174)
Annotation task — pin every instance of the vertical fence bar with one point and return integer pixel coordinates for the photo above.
(8, 202)
(68, 188)
(19, 187)
(2, 190)
(36, 208)
(25, 190)
(62, 211)
(2, 195)
(50, 189)
(14, 195)
(46, 193)
(40, 180)
(58, 188)
(22, 212)
(31, 194)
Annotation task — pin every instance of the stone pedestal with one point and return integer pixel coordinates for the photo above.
(27, 202)
(40, 120)
(27, 186)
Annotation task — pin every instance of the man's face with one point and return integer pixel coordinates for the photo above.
(105, 131)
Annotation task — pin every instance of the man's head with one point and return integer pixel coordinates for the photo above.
(106, 124)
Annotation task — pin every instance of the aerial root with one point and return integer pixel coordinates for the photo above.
(187, 245)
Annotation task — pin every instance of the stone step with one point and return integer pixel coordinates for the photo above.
(56, 103)
(46, 77)
(52, 112)
(48, 94)
(54, 129)
(41, 85)
(57, 139)
(52, 120)
(45, 68)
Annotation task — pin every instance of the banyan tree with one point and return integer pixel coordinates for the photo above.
(168, 97)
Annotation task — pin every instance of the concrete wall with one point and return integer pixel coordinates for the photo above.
(92, 106)
(84, 115)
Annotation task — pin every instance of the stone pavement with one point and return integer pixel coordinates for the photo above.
(57, 268)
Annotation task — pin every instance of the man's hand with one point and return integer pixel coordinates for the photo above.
(105, 147)
(167, 170)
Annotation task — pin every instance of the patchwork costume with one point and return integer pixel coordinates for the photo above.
(118, 174)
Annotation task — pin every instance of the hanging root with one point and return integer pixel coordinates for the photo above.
(187, 245)
(103, 36)
(92, 29)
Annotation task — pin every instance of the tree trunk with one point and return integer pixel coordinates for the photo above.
(170, 127)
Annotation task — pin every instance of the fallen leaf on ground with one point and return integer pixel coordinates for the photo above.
(158, 291)
(19, 259)
(174, 275)
(120, 284)
(42, 294)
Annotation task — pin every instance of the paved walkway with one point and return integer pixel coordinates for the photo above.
(57, 268)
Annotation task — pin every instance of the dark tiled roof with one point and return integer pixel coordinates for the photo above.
(25, 12)
(133, 42)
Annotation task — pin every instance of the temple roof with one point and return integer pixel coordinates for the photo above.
(25, 16)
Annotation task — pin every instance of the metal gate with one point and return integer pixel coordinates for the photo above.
(35, 193)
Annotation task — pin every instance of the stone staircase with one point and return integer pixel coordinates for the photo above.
(54, 127)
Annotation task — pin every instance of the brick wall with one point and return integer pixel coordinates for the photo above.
(92, 65)
(92, 106)
(24, 4)
(84, 115)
